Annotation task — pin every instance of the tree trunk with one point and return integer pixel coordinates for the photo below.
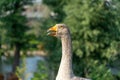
(16, 61)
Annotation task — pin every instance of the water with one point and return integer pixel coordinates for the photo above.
(31, 66)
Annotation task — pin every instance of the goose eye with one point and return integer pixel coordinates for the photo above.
(61, 26)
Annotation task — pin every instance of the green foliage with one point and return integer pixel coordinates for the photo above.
(100, 73)
(42, 72)
(13, 25)
(15, 29)
(13, 5)
(95, 34)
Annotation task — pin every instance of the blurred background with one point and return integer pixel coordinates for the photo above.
(26, 50)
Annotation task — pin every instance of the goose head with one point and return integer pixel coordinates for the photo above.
(58, 30)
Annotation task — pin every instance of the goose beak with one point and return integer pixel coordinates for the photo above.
(52, 31)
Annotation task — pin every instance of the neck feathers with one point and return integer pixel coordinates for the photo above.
(65, 69)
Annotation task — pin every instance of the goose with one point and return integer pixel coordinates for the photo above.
(65, 71)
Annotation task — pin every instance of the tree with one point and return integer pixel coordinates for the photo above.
(95, 34)
(15, 26)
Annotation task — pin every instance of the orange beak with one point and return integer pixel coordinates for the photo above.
(52, 31)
